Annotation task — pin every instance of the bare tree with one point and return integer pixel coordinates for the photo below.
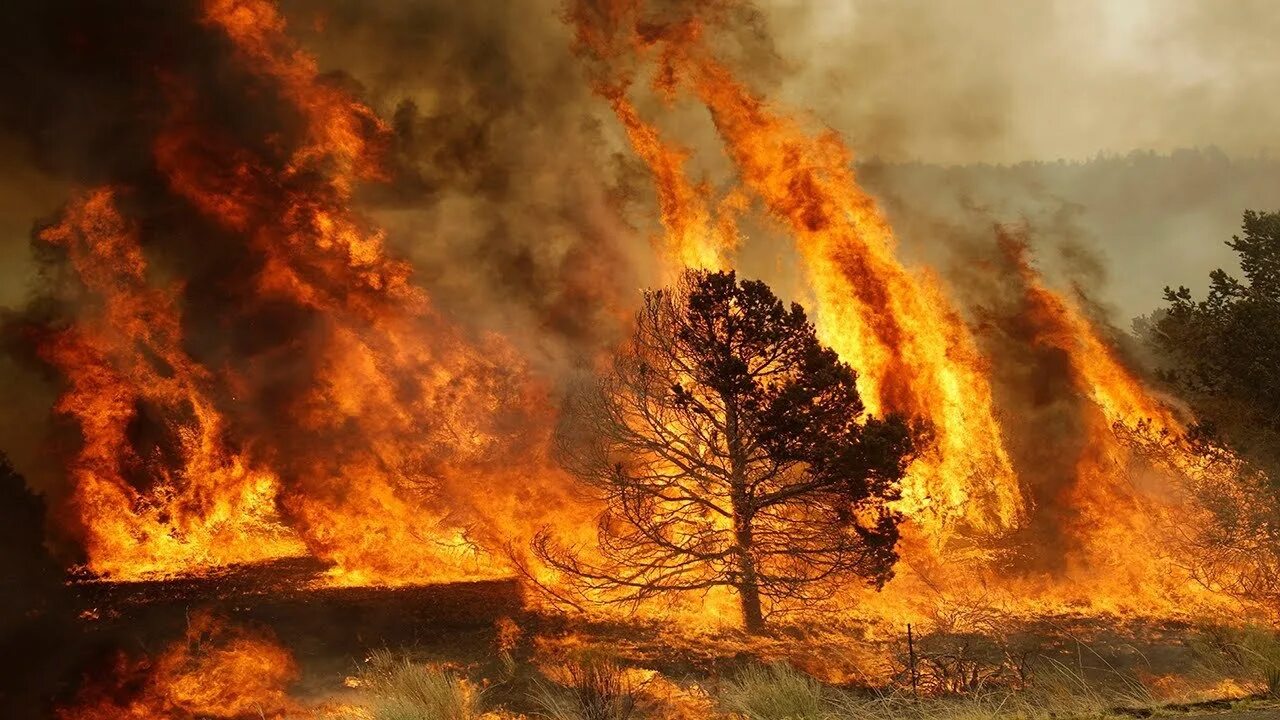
(731, 449)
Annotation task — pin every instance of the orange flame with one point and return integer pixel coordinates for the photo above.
(402, 449)
(375, 461)
(694, 238)
(214, 671)
(913, 351)
(208, 505)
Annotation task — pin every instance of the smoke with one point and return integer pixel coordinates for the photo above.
(1139, 222)
(516, 198)
(1008, 81)
(510, 193)
(981, 82)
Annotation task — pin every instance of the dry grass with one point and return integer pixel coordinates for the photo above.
(1058, 693)
(778, 692)
(591, 690)
(595, 688)
(1253, 649)
(403, 690)
(1261, 650)
(775, 692)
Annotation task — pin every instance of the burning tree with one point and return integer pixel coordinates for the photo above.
(731, 449)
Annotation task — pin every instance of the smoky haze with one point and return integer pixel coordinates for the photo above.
(1004, 81)
(512, 165)
(1133, 132)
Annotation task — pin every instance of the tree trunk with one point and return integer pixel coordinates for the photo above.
(749, 589)
(748, 583)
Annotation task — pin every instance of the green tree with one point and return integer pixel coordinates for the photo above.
(731, 449)
(1223, 352)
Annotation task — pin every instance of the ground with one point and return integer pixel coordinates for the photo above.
(485, 631)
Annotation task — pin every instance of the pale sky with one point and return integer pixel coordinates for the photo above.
(1011, 80)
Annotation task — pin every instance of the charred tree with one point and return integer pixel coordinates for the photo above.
(731, 449)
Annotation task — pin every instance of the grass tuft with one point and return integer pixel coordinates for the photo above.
(593, 690)
(1057, 692)
(1257, 650)
(775, 692)
(1253, 650)
(404, 690)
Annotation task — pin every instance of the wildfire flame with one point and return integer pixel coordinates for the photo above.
(394, 406)
(207, 505)
(380, 436)
(897, 327)
(215, 671)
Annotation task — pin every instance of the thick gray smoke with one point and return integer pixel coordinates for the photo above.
(510, 167)
(511, 186)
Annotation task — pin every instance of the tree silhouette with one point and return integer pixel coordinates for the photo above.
(1223, 352)
(731, 449)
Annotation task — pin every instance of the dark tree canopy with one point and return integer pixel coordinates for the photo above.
(29, 576)
(1223, 352)
(732, 450)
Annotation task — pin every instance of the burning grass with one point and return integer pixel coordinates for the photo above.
(216, 670)
(778, 691)
(536, 666)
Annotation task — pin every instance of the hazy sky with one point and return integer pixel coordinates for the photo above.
(1011, 80)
